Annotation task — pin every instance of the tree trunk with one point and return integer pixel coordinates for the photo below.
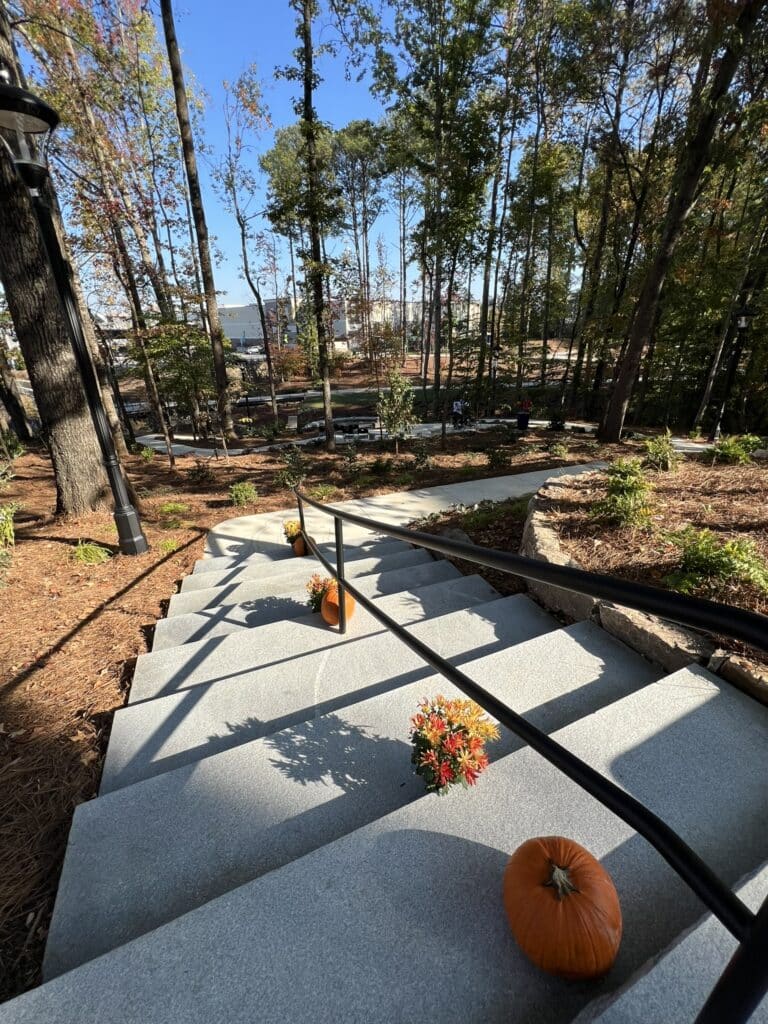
(198, 212)
(691, 162)
(313, 190)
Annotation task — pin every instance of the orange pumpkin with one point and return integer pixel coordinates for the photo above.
(329, 607)
(562, 907)
(299, 547)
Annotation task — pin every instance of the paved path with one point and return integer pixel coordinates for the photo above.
(244, 535)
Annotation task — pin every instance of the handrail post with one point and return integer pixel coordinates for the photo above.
(339, 527)
(301, 514)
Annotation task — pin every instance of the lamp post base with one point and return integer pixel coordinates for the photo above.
(131, 539)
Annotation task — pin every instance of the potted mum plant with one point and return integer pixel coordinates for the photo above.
(324, 598)
(449, 738)
(292, 533)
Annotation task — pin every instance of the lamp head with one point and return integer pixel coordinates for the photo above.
(22, 111)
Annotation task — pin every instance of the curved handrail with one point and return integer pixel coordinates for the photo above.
(696, 612)
(746, 926)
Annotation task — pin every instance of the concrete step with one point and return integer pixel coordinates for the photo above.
(243, 654)
(224, 563)
(156, 736)
(296, 573)
(279, 797)
(675, 986)
(182, 629)
(351, 931)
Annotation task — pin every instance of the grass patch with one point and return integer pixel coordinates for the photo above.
(88, 553)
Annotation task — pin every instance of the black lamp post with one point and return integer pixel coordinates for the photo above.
(23, 113)
(742, 316)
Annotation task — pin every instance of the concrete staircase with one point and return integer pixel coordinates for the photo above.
(261, 851)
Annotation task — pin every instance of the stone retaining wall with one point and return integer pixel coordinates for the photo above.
(668, 645)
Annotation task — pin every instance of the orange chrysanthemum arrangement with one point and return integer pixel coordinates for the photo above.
(449, 738)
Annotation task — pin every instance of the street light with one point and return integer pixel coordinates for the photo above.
(743, 317)
(25, 114)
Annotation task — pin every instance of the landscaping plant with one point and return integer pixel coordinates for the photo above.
(294, 471)
(395, 408)
(449, 738)
(627, 501)
(7, 531)
(147, 453)
(707, 562)
(243, 493)
(499, 459)
(291, 529)
(201, 473)
(736, 449)
(660, 454)
(316, 587)
(88, 553)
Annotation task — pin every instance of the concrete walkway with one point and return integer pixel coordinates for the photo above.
(245, 535)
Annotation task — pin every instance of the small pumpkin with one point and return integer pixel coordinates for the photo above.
(562, 908)
(299, 547)
(329, 608)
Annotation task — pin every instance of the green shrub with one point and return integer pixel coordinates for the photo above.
(322, 492)
(7, 530)
(168, 546)
(422, 460)
(659, 453)
(488, 513)
(381, 466)
(627, 502)
(294, 471)
(351, 462)
(170, 513)
(88, 553)
(243, 493)
(498, 459)
(201, 473)
(706, 559)
(558, 450)
(10, 445)
(6, 475)
(6, 557)
(736, 449)
(147, 453)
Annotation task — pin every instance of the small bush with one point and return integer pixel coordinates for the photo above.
(6, 475)
(556, 423)
(381, 466)
(168, 546)
(7, 530)
(147, 453)
(87, 553)
(558, 450)
(422, 460)
(294, 471)
(243, 493)
(201, 473)
(170, 513)
(498, 459)
(736, 449)
(351, 462)
(322, 492)
(660, 454)
(488, 513)
(627, 502)
(6, 557)
(706, 560)
(511, 434)
(10, 445)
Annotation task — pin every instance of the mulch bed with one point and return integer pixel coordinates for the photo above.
(70, 633)
(728, 500)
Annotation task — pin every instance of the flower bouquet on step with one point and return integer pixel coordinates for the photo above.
(292, 532)
(316, 588)
(449, 738)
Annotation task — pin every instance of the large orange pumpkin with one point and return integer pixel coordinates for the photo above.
(329, 607)
(562, 907)
(299, 547)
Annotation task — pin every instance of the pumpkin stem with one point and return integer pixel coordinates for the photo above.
(561, 882)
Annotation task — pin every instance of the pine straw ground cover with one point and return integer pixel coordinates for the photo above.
(728, 500)
(70, 633)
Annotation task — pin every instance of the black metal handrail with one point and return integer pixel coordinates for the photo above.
(741, 987)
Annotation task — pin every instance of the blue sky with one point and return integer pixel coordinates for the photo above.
(218, 41)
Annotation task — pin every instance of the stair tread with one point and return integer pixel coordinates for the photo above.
(297, 574)
(177, 668)
(225, 564)
(295, 790)
(181, 629)
(158, 735)
(355, 929)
